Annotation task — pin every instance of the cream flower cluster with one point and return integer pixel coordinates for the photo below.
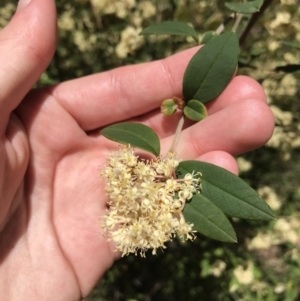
(146, 201)
(130, 41)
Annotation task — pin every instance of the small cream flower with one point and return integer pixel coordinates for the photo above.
(218, 268)
(146, 202)
(130, 41)
(244, 275)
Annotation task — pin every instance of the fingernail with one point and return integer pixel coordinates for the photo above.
(22, 4)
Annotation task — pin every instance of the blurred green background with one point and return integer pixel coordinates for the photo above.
(98, 35)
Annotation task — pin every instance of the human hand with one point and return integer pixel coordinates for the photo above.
(51, 152)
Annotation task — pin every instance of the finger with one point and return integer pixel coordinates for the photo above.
(133, 90)
(221, 159)
(123, 93)
(240, 88)
(27, 44)
(238, 128)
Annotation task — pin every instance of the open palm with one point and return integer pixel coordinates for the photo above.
(51, 153)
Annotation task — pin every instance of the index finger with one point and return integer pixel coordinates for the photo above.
(122, 93)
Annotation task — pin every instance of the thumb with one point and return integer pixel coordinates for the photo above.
(27, 45)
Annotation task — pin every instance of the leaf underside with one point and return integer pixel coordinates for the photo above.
(245, 8)
(227, 191)
(171, 28)
(133, 134)
(208, 219)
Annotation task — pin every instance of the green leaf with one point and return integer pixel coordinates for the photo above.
(135, 134)
(229, 192)
(172, 28)
(208, 219)
(195, 110)
(168, 107)
(245, 8)
(211, 68)
(208, 36)
(291, 44)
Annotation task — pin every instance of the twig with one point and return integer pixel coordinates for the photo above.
(237, 22)
(177, 135)
(220, 29)
(96, 16)
(253, 20)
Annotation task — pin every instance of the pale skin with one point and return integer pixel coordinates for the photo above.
(51, 151)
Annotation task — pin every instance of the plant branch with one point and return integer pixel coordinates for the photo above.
(254, 18)
(96, 16)
(237, 22)
(177, 135)
(221, 27)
